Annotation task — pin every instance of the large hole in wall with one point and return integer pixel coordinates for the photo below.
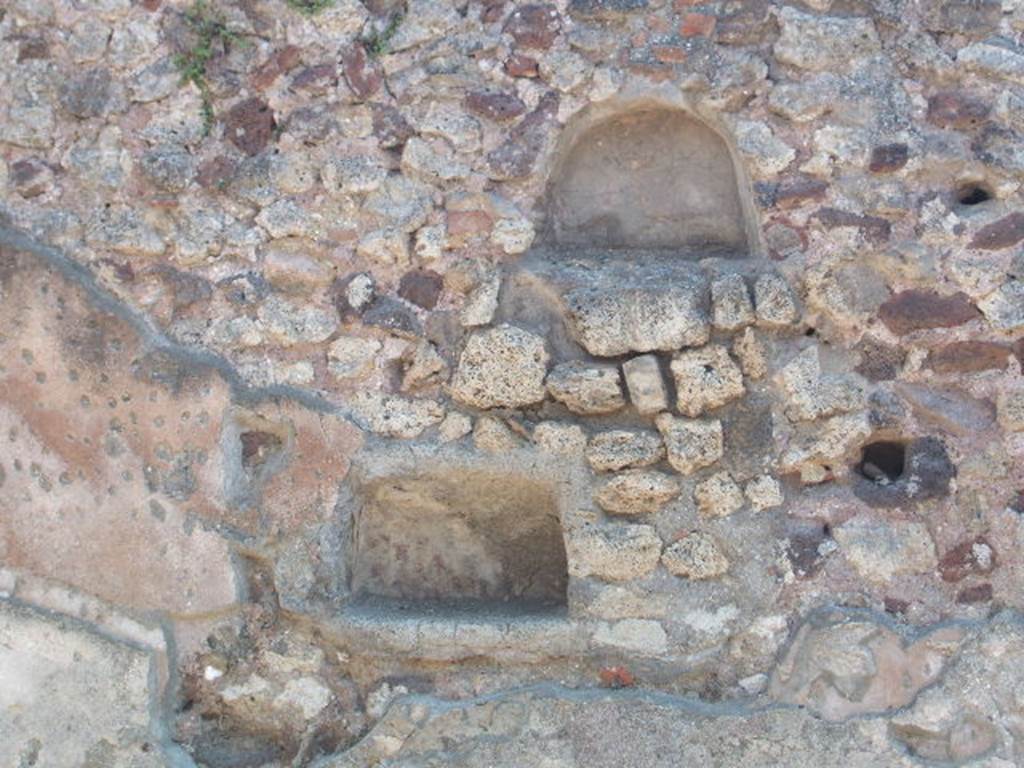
(651, 178)
(471, 537)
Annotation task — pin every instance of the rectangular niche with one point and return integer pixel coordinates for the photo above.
(471, 537)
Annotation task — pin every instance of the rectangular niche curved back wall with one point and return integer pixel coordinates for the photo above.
(464, 535)
(647, 178)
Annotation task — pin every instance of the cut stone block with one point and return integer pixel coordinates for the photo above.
(645, 384)
(691, 443)
(705, 379)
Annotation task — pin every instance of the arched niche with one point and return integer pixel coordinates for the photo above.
(648, 176)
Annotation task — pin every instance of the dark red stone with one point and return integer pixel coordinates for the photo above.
(257, 447)
(534, 25)
(797, 190)
(616, 677)
(896, 606)
(878, 361)
(875, 228)
(29, 176)
(961, 561)
(1006, 232)
(249, 125)
(280, 62)
(520, 65)
(981, 593)
(495, 105)
(390, 127)
(421, 287)
(319, 79)
(697, 25)
(33, 48)
(517, 156)
(968, 357)
(917, 310)
(957, 109)
(361, 73)
(888, 157)
(216, 172)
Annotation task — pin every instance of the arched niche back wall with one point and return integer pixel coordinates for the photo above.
(648, 178)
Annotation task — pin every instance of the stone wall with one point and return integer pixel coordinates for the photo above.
(479, 383)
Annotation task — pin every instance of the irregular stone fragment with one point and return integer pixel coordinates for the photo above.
(482, 302)
(764, 492)
(641, 636)
(423, 366)
(636, 492)
(353, 174)
(916, 310)
(887, 158)
(513, 235)
(706, 378)
(812, 395)
(455, 426)
(421, 287)
(395, 416)
(1001, 234)
(1010, 407)
(352, 357)
(690, 443)
(495, 105)
(87, 94)
(775, 304)
(560, 439)
(1004, 308)
(732, 308)
(353, 294)
(950, 409)
(718, 495)
(250, 125)
(882, 549)
(968, 558)
(995, 59)
(968, 357)
(393, 316)
(617, 552)
(384, 246)
(361, 73)
(621, 448)
(815, 451)
(432, 161)
(696, 556)
(957, 109)
(586, 389)
(827, 43)
(645, 384)
(493, 436)
(749, 350)
(501, 367)
(534, 25)
(764, 151)
(840, 667)
(610, 321)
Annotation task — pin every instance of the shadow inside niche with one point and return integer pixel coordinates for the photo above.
(892, 474)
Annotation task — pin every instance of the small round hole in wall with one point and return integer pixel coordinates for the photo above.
(882, 462)
(973, 194)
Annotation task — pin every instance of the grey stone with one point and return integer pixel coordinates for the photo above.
(1004, 308)
(731, 307)
(621, 448)
(501, 367)
(997, 58)
(645, 384)
(824, 42)
(169, 167)
(879, 550)
(636, 492)
(774, 302)
(706, 379)
(696, 556)
(586, 389)
(618, 552)
(690, 443)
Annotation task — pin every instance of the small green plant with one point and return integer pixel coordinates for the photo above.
(309, 7)
(212, 37)
(377, 43)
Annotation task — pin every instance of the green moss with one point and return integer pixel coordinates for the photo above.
(212, 38)
(309, 7)
(377, 43)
